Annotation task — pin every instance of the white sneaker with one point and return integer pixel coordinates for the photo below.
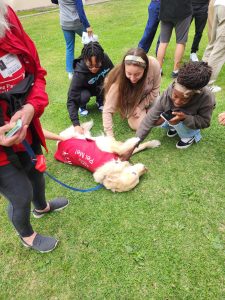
(100, 107)
(215, 88)
(70, 75)
(83, 112)
(193, 57)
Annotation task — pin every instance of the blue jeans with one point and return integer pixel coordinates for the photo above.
(69, 36)
(151, 26)
(183, 131)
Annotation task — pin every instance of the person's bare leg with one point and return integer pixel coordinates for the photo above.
(179, 52)
(161, 53)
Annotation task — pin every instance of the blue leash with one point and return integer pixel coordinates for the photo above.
(33, 159)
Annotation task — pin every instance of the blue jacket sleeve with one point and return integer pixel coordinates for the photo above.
(81, 13)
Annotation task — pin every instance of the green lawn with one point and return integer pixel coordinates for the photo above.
(163, 240)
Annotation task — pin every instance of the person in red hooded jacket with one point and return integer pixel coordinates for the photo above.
(22, 96)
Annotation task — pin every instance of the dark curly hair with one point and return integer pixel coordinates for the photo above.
(194, 75)
(93, 49)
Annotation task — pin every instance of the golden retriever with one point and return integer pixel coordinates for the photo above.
(114, 174)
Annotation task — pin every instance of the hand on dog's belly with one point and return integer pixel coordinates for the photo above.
(126, 156)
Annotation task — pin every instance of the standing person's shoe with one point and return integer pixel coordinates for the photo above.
(42, 243)
(214, 88)
(70, 75)
(174, 74)
(185, 143)
(83, 111)
(171, 132)
(56, 204)
(193, 57)
(100, 106)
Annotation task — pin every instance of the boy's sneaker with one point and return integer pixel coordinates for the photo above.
(174, 74)
(193, 57)
(83, 111)
(100, 106)
(42, 243)
(215, 88)
(171, 132)
(55, 205)
(185, 143)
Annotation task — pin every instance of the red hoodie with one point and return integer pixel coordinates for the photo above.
(17, 42)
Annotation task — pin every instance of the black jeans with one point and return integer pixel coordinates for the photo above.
(200, 15)
(87, 94)
(20, 187)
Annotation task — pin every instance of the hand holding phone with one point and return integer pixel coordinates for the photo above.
(15, 129)
(167, 115)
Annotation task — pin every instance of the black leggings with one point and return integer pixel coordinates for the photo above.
(20, 187)
(86, 95)
(200, 15)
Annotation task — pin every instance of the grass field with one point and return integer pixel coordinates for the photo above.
(163, 240)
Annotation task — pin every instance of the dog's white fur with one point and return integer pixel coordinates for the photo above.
(116, 175)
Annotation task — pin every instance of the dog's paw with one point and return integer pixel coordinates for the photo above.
(154, 144)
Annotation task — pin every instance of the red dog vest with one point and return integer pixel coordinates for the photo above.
(84, 153)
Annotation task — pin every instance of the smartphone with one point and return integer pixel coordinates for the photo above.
(16, 128)
(167, 115)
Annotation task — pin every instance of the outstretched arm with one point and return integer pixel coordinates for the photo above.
(52, 136)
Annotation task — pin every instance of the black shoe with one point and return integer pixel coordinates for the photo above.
(174, 74)
(55, 205)
(185, 143)
(42, 243)
(171, 132)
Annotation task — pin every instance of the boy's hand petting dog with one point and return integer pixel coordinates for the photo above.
(178, 116)
(126, 156)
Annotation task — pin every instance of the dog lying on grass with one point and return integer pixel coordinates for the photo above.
(101, 155)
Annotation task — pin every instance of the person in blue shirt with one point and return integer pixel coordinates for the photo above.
(73, 21)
